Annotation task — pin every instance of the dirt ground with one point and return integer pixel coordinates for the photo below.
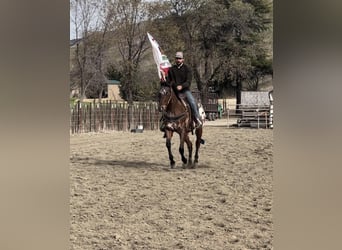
(125, 196)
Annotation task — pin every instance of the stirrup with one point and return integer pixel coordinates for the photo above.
(198, 123)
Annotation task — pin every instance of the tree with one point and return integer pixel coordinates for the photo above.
(224, 42)
(261, 67)
(130, 38)
(128, 23)
(219, 37)
(223, 38)
(242, 43)
(90, 18)
(113, 73)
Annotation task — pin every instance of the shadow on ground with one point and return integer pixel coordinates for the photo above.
(87, 161)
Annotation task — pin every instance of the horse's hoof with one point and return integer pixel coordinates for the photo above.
(173, 165)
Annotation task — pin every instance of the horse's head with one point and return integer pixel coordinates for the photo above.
(164, 97)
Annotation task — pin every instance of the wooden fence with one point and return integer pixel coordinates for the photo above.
(120, 116)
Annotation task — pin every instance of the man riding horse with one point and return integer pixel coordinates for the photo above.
(179, 77)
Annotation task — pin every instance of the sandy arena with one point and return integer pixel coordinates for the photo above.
(125, 196)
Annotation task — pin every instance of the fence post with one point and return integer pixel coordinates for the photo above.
(79, 115)
(266, 122)
(257, 110)
(94, 110)
(227, 117)
(72, 119)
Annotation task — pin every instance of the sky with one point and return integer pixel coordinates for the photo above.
(72, 31)
(72, 27)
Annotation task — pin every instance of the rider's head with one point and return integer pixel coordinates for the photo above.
(179, 57)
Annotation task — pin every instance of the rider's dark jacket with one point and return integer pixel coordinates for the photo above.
(179, 75)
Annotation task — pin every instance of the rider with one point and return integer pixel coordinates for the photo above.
(179, 77)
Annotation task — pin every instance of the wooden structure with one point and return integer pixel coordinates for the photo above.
(209, 103)
(255, 110)
(113, 90)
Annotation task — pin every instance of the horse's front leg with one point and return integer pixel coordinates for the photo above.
(181, 147)
(198, 133)
(168, 134)
(189, 144)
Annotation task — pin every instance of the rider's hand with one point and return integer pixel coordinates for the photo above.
(179, 87)
(162, 75)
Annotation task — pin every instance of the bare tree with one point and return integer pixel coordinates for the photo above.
(91, 21)
(129, 28)
(130, 18)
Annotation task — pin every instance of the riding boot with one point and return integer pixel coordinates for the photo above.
(162, 127)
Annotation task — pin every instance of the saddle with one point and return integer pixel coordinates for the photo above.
(182, 97)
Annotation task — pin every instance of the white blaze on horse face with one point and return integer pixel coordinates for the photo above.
(163, 98)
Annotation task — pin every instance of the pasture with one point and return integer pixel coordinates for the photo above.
(125, 196)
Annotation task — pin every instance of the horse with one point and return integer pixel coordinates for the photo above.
(176, 115)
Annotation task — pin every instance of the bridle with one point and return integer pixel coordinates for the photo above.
(164, 92)
(163, 107)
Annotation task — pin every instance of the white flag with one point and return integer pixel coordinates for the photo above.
(160, 59)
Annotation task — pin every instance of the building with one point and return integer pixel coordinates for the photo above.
(113, 90)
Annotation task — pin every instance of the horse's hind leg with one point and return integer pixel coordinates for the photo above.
(168, 145)
(189, 144)
(198, 132)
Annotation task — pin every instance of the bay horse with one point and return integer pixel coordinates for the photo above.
(176, 114)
